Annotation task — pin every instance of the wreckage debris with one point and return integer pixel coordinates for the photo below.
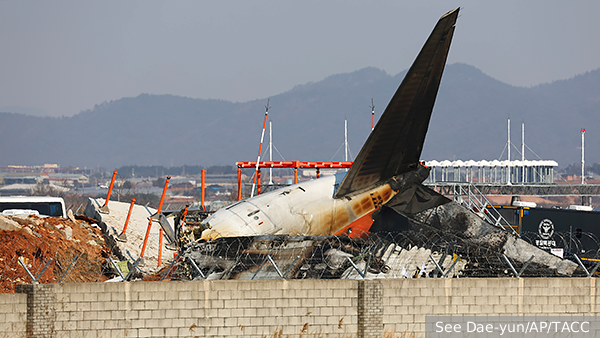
(421, 252)
(79, 249)
(452, 217)
(438, 237)
(129, 248)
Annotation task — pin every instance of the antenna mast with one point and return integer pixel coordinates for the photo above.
(346, 138)
(372, 106)
(262, 137)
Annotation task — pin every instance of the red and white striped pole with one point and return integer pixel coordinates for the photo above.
(372, 106)
(262, 137)
(239, 196)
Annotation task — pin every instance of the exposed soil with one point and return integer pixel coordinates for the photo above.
(44, 242)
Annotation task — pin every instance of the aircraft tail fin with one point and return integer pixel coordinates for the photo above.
(395, 145)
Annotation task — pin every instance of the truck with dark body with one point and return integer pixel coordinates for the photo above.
(561, 231)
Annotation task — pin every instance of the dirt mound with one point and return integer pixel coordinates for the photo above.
(59, 239)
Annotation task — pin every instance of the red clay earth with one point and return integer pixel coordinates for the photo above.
(46, 242)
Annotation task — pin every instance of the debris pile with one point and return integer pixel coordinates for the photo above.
(52, 241)
(314, 257)
(422, 251)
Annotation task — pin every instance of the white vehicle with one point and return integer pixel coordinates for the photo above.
(32, 205)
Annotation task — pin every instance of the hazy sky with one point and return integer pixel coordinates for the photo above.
(62, 57)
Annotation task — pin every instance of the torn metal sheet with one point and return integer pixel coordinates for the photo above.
(455, 218)
(273, 257)
(424, 251)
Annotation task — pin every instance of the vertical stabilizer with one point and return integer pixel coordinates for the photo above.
(395, 145)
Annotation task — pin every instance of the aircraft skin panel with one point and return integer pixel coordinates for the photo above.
(289, 210)
(231, 225)
(394, 147)
(359, 228)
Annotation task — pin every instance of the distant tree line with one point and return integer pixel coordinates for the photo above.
(159, 171)
(575, 169)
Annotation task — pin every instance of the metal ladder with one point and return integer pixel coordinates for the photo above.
(471, 198)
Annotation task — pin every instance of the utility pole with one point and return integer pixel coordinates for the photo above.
(582, 156)
(508, 146)
(523, 152)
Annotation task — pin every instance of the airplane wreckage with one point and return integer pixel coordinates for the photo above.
(300, 231)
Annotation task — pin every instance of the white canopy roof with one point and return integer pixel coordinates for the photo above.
(494, 163)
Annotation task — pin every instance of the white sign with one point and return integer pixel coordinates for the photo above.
(557, 252)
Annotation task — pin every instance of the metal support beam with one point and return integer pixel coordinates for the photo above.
(355, 268)
(196, 268)
(34, 280)
(73, 262)
(582, 266)
(511, 266)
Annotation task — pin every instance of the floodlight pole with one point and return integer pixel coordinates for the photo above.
(346, 139)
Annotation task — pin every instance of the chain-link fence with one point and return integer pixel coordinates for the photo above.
(421, 252)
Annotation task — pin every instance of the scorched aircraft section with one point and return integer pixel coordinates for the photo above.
(387, 164)
(385, 181)
(302, 209)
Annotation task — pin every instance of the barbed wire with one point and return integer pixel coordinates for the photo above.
(422, 252)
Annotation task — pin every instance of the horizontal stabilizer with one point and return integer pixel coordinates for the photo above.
(416, 198)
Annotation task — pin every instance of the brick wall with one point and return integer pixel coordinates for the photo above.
(207, 308)
(406, 302)
(340, 308)
(13, 315)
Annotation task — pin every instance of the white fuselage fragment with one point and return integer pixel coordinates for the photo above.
(306, 208)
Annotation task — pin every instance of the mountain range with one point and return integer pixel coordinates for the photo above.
(469, 121)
